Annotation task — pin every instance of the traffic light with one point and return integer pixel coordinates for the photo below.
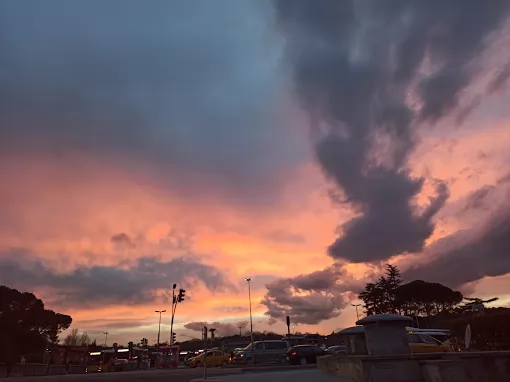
(144, 342)
(180, 297)
(173, 337)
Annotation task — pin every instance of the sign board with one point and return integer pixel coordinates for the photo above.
(467, 336)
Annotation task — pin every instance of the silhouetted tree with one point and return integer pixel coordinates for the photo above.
(26, 325)
(421, 298)
(380, 297)
(75, 338)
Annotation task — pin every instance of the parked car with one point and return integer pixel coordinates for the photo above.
(263, 352)
(214, 358)
(304, 354)
(421, 343)
(118, 365)
(337, 349)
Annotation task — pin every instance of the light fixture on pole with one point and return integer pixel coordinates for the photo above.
(356, 306)
(159, 325)
(248, 280)
(105, 338)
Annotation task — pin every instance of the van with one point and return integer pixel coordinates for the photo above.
(263, 352)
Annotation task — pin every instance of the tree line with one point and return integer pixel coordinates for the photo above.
(418, 298)
(27, 326)
(433, 305)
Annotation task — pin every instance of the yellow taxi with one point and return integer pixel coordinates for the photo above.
(211, 358)
(422, 343)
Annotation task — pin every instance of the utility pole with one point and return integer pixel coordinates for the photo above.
(248, 280)
(356, 306)
(175, 300)
(174, 305)
(212, 330)
(159, 325)
(205, 351)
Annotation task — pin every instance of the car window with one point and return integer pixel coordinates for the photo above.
(317, 349)
(210, 353)
(259, 346)
(282, 345)
(271, 345)
(217, 354)
(428, 340)
(413, 339)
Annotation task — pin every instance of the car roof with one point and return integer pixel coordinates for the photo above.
(255, 342)
(305, 345)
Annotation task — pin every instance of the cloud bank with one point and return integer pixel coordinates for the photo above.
(163, 89)
(222, 328)
(370, 74)
(145, 281)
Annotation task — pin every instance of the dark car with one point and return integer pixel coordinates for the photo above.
(304, 354)
(118, 365)
(337, 349)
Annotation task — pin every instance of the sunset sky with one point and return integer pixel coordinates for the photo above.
(301, 143)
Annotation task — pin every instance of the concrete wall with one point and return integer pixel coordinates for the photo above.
(432, 367)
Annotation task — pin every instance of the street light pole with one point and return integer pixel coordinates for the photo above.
(356, 306)
(159, 325)
(248, 280)
(105, 338)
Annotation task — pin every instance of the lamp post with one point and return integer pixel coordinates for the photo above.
(356, 306)
(105, 338)
(248, 280)
(159, 325)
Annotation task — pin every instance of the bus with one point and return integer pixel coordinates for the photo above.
(94, 362)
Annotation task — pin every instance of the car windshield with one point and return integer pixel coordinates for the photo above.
(248, 347)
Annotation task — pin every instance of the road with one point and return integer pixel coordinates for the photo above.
(292, 375)
(175, 375)
(253, 374)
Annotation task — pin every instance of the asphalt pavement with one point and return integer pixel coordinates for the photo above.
(284, 375)
(178, 375)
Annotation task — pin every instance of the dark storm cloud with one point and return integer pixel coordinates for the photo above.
(222, 328)
(469, 255)
(310, 298)
(189, 92)
(107, 285)
(355, 64)
(122, 239)
(478, 199)
(105, 323)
